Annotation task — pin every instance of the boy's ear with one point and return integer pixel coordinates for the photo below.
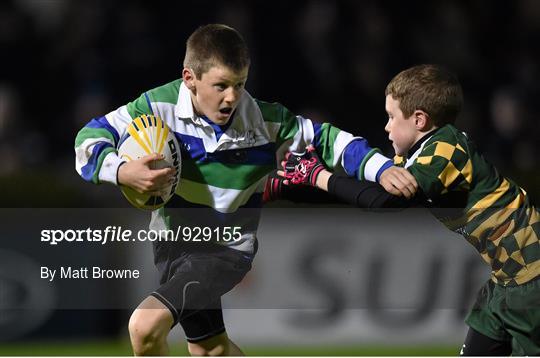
(189, 78)
(421, 120)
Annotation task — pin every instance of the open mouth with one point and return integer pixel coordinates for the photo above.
(226, 110)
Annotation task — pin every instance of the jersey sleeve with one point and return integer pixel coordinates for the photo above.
(363, 162)
(336, 148)
(96, 158)
(140, 106)
(441, 167)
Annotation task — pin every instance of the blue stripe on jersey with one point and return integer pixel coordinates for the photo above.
(192, 146)
(149, 103)
(385, 166)
(102, 122)
(353, 155)
(261, 155)
(218, 130)
(87, 172)
(123, 139)
(317, 128)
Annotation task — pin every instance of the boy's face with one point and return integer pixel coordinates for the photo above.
(402, 131)
(217, 93)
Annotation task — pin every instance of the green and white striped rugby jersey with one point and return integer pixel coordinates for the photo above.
(471, 198)
(226, 173)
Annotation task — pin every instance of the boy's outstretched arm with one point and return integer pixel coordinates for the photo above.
(337, 149)
(306, 170)
(365, 194)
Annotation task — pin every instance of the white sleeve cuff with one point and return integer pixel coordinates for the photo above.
(373, 166)
(109, 169)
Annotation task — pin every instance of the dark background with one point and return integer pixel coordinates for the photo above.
(65, 62)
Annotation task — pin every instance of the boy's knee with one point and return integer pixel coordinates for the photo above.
(214, 346)
(148, 329)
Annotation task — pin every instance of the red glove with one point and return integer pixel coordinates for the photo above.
(273, 187)
(304, 168)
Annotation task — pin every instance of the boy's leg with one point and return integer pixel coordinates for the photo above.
(219, 345)
(526, 334)
(149, 326)
(234, 350)
(476, 344)
(192, 295)
(509, 314)
(151, 322)
(487, 335)
(205, 333)
(522, 318)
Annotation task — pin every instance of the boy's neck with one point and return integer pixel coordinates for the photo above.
(422, 137)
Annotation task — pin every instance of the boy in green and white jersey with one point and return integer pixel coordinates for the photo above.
(230, 143)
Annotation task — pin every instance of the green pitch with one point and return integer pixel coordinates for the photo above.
(122, 348)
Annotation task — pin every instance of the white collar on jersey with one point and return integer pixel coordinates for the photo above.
(415, 155)
(244, 116)
(184, 107)
(244, 130)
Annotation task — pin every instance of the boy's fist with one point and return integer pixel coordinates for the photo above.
(302, 169)
(399, 181)
(139, 175)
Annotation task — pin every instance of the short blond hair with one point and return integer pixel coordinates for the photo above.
(216, 44)
(429, 88)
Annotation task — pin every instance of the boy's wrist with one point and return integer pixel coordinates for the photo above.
(108, 172)
(375, 164)
(118, 180)
(385, 166)
(323, 178)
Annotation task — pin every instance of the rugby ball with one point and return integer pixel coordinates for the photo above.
(146, 135)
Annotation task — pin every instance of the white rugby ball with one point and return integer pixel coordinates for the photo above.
(146, 135)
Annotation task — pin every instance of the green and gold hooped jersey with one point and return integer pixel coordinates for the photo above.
(469, 196)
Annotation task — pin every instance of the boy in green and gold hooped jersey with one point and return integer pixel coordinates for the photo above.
(467, 194)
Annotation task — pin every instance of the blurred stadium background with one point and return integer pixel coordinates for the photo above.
(65, 62)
